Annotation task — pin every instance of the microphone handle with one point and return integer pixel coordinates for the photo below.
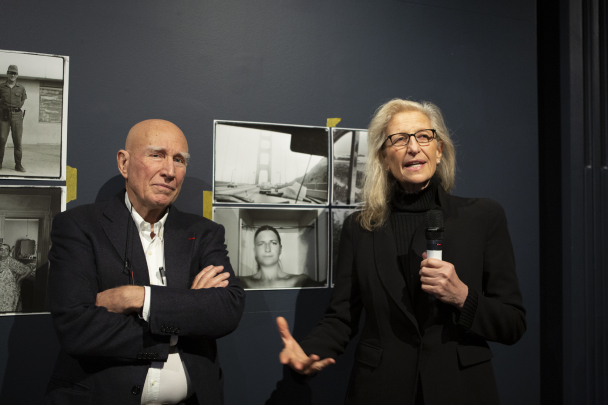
(434, 254)
(434, 249)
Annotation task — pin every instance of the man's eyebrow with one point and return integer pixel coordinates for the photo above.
(185, 155)
(156, 149)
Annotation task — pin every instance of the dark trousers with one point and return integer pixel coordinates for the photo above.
(14, 125)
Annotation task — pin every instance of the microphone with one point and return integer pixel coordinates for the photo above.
(434, 234)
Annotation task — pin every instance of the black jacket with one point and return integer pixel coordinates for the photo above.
(105, 356)
(448, 350)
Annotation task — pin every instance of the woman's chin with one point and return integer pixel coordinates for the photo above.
(413, 185)
(270, 263)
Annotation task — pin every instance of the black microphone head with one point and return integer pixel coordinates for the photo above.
(434, 225)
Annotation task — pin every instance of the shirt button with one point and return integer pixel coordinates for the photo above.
(135, 390)
(149, 253)
(153, 382)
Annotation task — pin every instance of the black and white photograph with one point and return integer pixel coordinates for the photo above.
(33, 115)
(259, 163)
(350, 156)
(338, 215)
(26, 214)
(277, 248)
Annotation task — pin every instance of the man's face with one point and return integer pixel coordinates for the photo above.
(156, 165)
(12, 76)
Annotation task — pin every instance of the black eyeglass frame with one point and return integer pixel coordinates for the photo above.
(410, 135)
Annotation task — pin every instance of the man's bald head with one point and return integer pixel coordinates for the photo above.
(149, 129)
(153, 164)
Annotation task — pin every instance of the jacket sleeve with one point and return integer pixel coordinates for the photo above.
(207, 312)
(496, 313)
(84, 329)
(341, 320)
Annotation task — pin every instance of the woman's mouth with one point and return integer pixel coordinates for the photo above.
(414, 165)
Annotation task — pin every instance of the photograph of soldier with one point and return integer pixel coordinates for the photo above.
(33, 108)
(12, 97)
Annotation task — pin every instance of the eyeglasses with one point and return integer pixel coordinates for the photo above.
(423, 137)
(12, 73)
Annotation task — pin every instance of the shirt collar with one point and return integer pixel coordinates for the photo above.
(143, 226)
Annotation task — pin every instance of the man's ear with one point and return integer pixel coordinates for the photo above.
(122, 158)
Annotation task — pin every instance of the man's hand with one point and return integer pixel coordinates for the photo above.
(122, 300)
(439, 278)
(293, 355)
(210, 276)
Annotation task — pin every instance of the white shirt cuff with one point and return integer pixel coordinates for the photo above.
(145, 311)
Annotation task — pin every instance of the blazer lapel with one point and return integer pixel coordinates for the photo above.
(385, 253)
(115, 228)
(178, 250)
(450, 216)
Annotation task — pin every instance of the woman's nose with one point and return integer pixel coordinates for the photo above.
(267, 247)
(413, 147)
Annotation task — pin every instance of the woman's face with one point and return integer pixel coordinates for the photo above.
(412, 165)
(4, 252)
(267, 248)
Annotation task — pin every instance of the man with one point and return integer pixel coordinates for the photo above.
(12, 97)
(136, 316)
(12, 272)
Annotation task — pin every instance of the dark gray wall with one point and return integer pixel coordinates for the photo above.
(293, 62)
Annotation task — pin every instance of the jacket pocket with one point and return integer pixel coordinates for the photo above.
(65, 392)
(471, 355)
(368, 354)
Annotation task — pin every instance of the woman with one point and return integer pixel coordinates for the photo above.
(427, 320)
(267, 248)
(12, 273)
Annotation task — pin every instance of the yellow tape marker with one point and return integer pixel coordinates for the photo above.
(71, 182)
(208, 204)
(332, 122)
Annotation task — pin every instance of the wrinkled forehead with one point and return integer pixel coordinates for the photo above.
(158, 134)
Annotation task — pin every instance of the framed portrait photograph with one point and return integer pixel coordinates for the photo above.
(278, 248)
(258, 163)
(26, 215)
(33, 115)
(349, 158)
(338, 215)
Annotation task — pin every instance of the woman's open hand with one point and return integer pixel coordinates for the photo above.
(293, 355)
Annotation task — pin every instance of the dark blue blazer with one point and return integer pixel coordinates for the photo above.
(104, 356)
(444, 347)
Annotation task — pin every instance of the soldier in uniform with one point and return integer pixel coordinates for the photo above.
(12, 97)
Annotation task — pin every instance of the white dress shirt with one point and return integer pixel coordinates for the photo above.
(166, 382)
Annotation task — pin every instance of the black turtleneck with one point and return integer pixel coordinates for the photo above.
(408, 211)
